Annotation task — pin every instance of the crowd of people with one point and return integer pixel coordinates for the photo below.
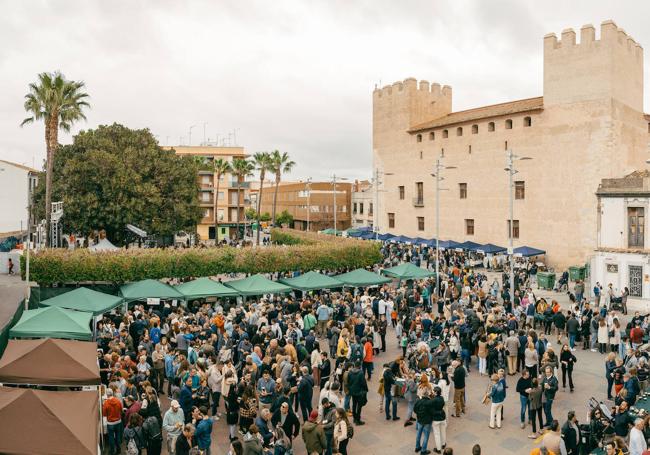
(283, 368)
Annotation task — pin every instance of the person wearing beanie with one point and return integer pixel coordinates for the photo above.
(314, 435)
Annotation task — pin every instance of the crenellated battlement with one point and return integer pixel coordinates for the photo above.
(610, 35)
(410, 85)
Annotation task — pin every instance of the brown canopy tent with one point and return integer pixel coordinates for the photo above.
(43, 422)
(50, 361)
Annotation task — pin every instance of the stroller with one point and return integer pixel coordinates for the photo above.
(562, 285)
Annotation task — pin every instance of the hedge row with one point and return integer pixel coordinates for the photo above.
(306, 253)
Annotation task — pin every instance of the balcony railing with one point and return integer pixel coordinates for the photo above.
(242, 185)
(418, 202)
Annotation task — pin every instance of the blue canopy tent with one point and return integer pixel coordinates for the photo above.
(420, 241)
(367, 236)
(447, 244)
(431, 243)
(402, 239)
(490, 248)
(528, 251)
(355, 234)
(385, 237)
(469, 246)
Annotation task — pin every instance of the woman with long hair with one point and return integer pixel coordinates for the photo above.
(341, 431)
(603, 336)
(567, 359)
(615, 335)
(610, 365)
(247, 409)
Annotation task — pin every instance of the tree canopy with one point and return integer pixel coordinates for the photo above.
(113, 175)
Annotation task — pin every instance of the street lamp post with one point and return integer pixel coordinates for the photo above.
(375, 212)
(334, 179)
(438, 169)
(510, 168)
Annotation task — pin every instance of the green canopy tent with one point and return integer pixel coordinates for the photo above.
(149, 289)
(53, 322)
(407, 271)
(204, 287)
(257, 285)
(311, 281)
(361, 278)
(84, 299)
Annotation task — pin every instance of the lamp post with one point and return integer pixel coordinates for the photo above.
(375, 214)
(334, 179)
(308, 201)
(437, 171)
(510, 168)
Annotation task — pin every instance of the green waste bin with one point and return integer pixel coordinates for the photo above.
(577, 272)
(545, 280)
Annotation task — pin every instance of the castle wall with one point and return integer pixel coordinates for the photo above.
(591, 127)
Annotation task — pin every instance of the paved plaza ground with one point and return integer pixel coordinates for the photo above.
(380, 436)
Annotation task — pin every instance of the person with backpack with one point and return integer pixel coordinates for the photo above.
(133, 436)
(152, 435)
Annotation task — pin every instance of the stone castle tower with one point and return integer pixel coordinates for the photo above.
(588, 125)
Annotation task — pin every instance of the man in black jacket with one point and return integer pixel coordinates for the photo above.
(358, 388)
(424, 411)
(439, 420)
(305, 392)
(285, 418)
(389, 385)
(571, 434)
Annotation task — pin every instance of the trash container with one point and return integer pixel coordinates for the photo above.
(577, 272)
(545, 280)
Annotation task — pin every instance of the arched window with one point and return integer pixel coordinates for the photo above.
(474, 129)
(418, 138)
(432, 136)
(527, 121)
(459, 131)
(445, 134)
(491, 126)
(508, 124)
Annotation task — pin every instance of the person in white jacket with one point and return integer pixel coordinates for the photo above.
(638, 444)
(215, 382)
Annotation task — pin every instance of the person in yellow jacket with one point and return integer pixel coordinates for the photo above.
(343, 346)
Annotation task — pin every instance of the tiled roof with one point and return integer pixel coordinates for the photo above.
(494, 110)
(20, 166)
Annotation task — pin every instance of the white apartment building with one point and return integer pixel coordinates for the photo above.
(16, 184)
(622, 255)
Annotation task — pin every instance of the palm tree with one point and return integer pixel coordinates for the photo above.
(262, 161)
(59, 103)
(221, 167)
(241, 169)
(280, 163)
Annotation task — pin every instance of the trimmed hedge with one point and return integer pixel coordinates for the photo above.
(307, 252)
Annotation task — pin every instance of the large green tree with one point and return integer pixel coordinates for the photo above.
(59, 103)
(114, 175)
(279, 164)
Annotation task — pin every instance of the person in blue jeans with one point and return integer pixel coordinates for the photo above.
(523, 385)
(390, 375)
(424, 410)
(549, 388)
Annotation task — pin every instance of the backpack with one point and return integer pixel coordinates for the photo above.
(152, 429)
(357, 352)
(350, 431)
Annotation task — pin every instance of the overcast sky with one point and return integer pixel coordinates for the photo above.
(290, 75)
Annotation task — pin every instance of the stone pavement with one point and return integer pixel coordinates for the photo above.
(12, 291)
(379, 436)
